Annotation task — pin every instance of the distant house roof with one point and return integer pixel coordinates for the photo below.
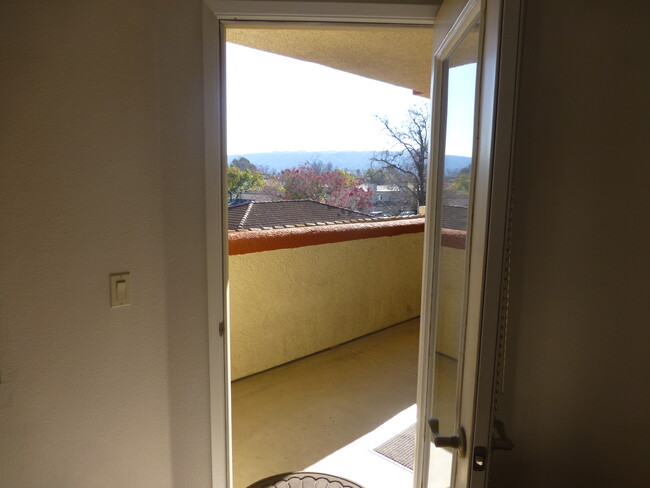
(388, 188)
(248, 196)
(457, 201)
(259, 215)
(454, 217)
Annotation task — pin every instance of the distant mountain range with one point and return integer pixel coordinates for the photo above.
(453, 164)
(350, 160)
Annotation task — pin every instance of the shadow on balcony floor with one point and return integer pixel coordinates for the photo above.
(292, 416)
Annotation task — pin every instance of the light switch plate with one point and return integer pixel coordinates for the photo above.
(120, 290)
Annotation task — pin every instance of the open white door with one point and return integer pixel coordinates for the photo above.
(473, 67)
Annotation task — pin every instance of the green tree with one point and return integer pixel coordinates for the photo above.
(461, 183)
(243, 164)
(242, 180)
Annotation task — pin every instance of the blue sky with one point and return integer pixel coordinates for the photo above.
(277, 103)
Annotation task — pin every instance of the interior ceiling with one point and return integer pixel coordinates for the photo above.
(400, 55)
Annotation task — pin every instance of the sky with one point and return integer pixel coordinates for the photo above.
(460, 110)
(276, 103)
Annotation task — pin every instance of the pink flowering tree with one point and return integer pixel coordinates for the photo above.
(335, 187)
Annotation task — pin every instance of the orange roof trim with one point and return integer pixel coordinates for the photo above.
(270, 240)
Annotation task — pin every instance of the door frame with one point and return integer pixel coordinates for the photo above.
(214, 12)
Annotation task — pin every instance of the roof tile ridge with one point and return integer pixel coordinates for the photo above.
(260, 201)
(245, 216)
(335, 206)
(238, 204)
(321, 223)
(290, 201)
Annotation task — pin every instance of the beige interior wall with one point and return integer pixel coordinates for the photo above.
(577, 398)
(102, 172)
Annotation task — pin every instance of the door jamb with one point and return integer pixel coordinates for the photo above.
(214, 12)
(492, 323)
(216, 255)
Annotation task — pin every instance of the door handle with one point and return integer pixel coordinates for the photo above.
(457, 441)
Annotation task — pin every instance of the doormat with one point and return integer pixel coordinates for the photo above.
(400, 448)
(304, 480)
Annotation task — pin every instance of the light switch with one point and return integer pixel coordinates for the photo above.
(120, 290)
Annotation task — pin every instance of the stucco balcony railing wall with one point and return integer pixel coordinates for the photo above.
(297, 291)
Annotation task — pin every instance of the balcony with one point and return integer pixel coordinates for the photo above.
(324, 345)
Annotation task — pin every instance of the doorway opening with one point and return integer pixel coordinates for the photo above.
(328, 140)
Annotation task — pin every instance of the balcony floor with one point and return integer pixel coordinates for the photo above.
(291, 418)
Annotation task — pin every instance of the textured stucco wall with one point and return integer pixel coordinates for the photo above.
(577, 397)
(289, 303)
(451, 291)
(101, 172)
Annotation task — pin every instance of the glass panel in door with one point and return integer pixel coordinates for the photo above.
(453, 202)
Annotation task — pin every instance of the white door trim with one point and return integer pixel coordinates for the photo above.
(216, 254)
(306, 11)
(214, 13)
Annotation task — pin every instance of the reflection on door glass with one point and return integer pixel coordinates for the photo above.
(458, 129)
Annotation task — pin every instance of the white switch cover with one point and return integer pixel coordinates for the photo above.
(120, 290)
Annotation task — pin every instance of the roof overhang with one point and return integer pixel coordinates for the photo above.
(397, 54)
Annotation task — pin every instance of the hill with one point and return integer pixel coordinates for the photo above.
(453, 164)
(350, 160)
(279, 160)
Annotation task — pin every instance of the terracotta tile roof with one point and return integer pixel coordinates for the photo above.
(457, 201)
(287, 213)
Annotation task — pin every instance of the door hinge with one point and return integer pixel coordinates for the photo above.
(222, 329)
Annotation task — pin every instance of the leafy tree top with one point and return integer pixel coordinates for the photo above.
(242, 180)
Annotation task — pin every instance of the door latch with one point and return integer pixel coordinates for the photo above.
(479, 459)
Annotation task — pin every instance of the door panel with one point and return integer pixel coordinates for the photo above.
(463, 108)
(457, 127)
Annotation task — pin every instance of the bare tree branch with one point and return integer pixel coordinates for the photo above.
(408, 163)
